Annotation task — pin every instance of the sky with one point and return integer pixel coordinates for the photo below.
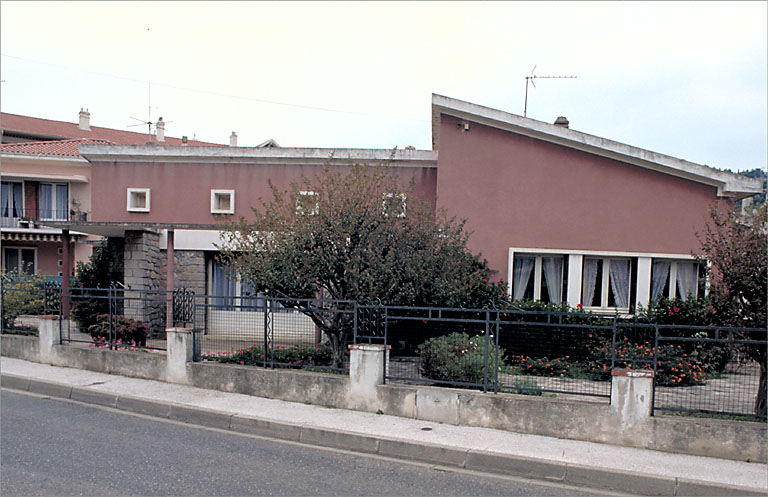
(686, 79)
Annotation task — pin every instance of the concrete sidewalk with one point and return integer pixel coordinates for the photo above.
(587, 464)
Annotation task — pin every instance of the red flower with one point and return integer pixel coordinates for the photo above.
(485, 280)
(671, 313)
(677, 309)
(579, 306)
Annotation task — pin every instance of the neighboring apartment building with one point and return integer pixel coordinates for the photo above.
(44, 180)
(561, 215)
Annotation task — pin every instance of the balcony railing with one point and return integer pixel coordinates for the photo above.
(30, 218)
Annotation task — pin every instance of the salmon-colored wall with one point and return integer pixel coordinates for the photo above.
(517, 191)
(181, 192)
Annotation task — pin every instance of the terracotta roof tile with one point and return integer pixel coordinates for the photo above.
(64, 130)
(66, 148)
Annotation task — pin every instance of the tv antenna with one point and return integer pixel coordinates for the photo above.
(148, 123)
(531, 78)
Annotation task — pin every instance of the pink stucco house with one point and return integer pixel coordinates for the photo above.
(561, 215)
(45, 180)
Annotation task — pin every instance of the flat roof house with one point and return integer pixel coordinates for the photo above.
(561, 215)
(45, 180)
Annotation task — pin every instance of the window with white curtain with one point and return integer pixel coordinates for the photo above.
(54, 201)
(674, 279)
(231, 292)
(538, 277)
(12, 202)
(606, 283)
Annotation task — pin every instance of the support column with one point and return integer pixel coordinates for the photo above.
(66, 270)
(169, 283)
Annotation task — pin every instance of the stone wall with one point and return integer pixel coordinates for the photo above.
(142, 274)
(189, 270)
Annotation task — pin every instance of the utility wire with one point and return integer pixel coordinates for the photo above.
(214, 93)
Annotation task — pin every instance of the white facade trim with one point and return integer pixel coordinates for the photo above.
(132, 197)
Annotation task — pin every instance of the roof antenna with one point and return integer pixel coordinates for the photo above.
(531, 78)
(148, 122)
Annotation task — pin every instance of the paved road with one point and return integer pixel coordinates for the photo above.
(52, 447)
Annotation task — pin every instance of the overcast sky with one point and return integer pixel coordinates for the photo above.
(686, 79)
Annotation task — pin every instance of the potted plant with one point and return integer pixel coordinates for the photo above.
(26, 222)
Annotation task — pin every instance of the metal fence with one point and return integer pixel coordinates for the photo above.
(706, 370)
(270, 332)
(698, 370)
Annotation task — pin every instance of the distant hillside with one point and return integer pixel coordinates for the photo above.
(761, 175)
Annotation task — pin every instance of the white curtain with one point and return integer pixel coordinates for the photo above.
(223, 287)
(46, 207)
(687, 278)
(553, 274)
(588, 281)
(619, 275)
(659, 276)
(521, 273)
(62, 203)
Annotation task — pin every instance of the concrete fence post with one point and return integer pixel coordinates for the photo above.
(49, 327)
(367, 363)
(180, 351)
(632, 395)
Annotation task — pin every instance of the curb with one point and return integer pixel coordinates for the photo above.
(475, 460)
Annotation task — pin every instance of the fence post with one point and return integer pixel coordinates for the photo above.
(632, 394)
(48, 326)
(180, 351)
(367, 366)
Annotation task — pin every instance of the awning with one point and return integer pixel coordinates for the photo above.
(34, 237)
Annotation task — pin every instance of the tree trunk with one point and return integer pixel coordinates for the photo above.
(337, 349)
(761, 408)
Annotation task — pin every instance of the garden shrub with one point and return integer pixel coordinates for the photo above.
(92, 280)
(22, 295)
(540, 366)
(674, 366)
(297, 356)
(457, 358)
(125, 330)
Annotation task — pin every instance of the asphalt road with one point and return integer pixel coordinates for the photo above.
(53, 447)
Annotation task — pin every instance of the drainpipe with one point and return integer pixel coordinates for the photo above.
(65, 272)
(169, 283)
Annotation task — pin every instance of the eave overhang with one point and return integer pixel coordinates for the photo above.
(727, 184)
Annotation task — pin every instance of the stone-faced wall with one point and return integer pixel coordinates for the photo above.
(142, 274)
(189, 270)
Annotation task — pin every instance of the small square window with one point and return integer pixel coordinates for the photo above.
(307, 204)
(138, 200)
(393, 203)
(61, 251)
(222, 201)
(61, 263)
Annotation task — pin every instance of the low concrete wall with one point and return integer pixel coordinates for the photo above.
(146, 365)
(626, 421)
(20, 347)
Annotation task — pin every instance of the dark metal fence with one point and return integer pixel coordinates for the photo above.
(698, 370)
(270, 332)
(705, 370)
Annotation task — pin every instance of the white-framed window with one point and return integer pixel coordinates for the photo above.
(54, 201)
(394, 203)
(222, 201)
(138, 200)
(538, 277)
(606, 283)
(20, 260)
(674, 279)
(231, 292)
(307, 203)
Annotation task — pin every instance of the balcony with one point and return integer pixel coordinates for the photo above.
(31, 218)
